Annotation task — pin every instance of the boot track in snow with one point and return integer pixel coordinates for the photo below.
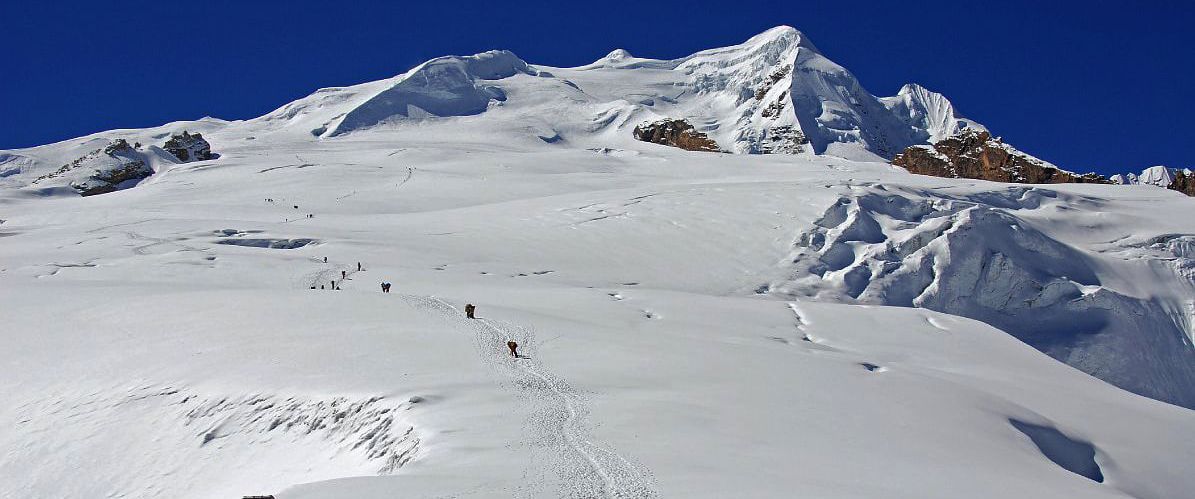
(557, 426)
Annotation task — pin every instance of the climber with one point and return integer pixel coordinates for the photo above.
(469, 309)
(358, 266)
(514, 348)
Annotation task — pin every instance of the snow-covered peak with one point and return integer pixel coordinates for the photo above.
(444, 86)
(776, 46)
(782, 34)
(774, 92)
(1160, 176)
(927, 110)
(617, 55)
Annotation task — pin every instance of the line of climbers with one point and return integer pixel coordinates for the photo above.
(470, 309)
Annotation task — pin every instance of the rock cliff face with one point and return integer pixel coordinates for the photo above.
(189, 147)
(1184, 183)
(675, 133)
(976, 154)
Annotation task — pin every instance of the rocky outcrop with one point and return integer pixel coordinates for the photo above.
(119, 163)
(109, 167)
(776, 75)
(189, 147)
(976, 154)
(675, 133)
(1183, 182)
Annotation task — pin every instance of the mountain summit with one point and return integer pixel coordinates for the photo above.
(774, 93)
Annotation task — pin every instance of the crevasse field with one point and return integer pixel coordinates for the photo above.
(691, 324)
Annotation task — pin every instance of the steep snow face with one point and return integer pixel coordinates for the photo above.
(1178, 179)
(973, 256)
(1123, 179)
(442, 87)
(928, 111)
(1156, 175)
(778, 83)
(448, 86)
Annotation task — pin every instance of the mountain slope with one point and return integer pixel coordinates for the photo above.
(690, 324)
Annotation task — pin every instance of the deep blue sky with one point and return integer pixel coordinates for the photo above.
(1096, 85)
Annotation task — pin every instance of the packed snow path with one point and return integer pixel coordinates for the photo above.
(556, 429)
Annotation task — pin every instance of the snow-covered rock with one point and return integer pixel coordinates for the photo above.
(115, 166)
(1175, 179)
(1160, 176)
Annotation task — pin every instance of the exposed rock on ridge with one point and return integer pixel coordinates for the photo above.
(976, 154)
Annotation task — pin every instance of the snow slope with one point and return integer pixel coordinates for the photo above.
(691, 324)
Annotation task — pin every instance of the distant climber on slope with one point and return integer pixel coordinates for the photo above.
(469, 310)
(514, 348)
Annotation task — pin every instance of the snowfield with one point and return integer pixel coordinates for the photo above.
(690, 324)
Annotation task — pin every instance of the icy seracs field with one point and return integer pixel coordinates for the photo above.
(694, 324)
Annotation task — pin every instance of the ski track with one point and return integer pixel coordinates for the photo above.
(586, 468)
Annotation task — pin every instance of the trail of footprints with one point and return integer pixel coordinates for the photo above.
(557, 427)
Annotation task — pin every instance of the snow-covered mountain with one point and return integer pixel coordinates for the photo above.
(773, 93)
(809, 322)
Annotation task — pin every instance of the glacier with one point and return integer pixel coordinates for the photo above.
(786, 317)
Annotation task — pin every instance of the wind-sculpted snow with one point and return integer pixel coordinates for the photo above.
(975, 258)
(267, 440)
(448, 86)
(928, 111)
